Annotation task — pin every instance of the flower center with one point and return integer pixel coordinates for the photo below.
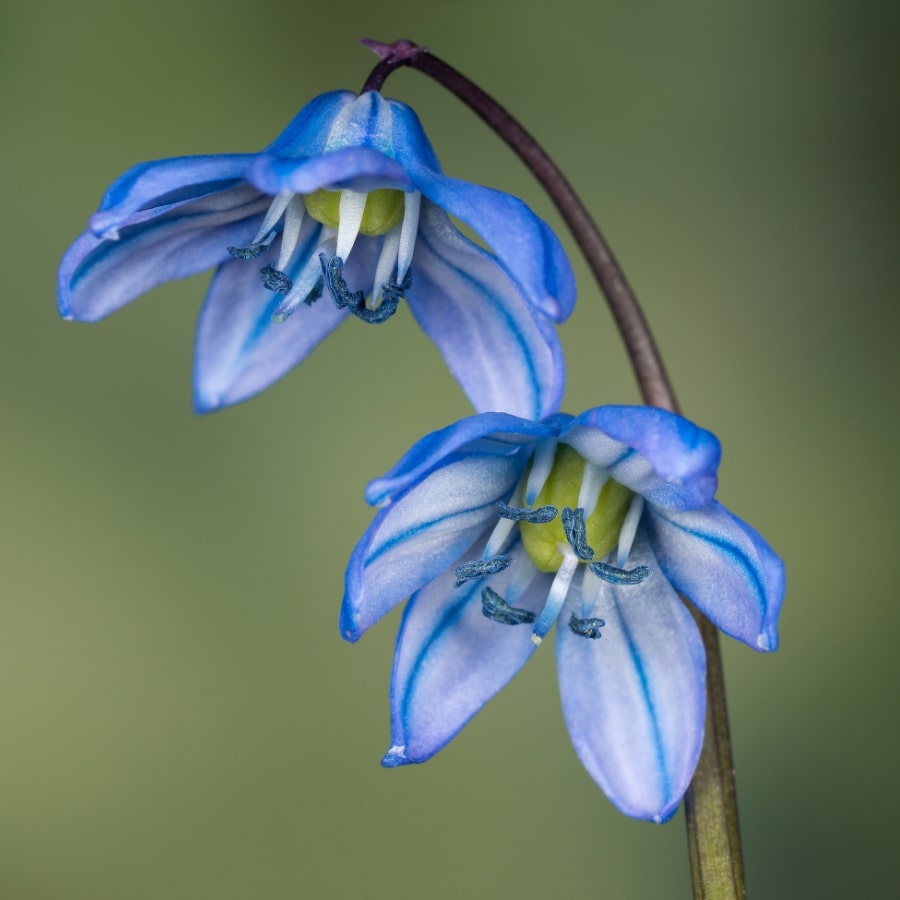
(311, 260)
(383, 210)
(546, 543)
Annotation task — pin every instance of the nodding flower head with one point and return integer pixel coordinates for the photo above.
(346, 213)
(500, 528)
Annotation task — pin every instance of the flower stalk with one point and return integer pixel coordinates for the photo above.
(711, 801)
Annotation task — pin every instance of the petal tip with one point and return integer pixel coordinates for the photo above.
(767, 641)
(350, 630)
(395, 757)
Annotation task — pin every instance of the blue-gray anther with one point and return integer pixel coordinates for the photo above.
(576, 533)
(314, 294)
(333, 275)
(391, 293)
(589, 628)
(540, 516)
(467, 571)
(495, 607)
(276, 281)
(620, 576)
(380, 314)
(251, 251)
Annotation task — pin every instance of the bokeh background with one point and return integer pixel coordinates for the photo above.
(178, 715)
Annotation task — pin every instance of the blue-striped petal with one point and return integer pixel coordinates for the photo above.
(658, 454)
(356, 168)
(497, 434)
(421, 534)
(155, 187)
(98, 276)
(451, 659)
(724, 567)
(634, 699)
(524, 245)
(506, 358)
(310, 131)
(239, 348)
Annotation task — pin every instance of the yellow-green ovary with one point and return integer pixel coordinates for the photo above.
(384, 210)
(542, 542)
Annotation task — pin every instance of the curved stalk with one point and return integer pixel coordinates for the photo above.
(713, 832)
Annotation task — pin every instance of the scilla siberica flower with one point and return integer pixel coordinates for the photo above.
(501, 527)
(349, 202)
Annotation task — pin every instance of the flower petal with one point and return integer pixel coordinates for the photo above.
(308, 133)
(724, 567)
(524, 245)
(422, 533)
(240, 349)
(98, 276)
(634, 699)
(489, 433)
(356, 168)
(505, 357)
(158, 185)
(451, 659)
(658, 454)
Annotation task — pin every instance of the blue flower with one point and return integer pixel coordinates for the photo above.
(349, 201)
(499, 527)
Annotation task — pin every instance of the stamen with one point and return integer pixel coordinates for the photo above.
(275, 212)
(555, 597)
(251, 251)
(592, 482)
(350, 214)
(576, 532)
(541, 466)
(589, 628)
(293, 221)
(476, 569)
(276, 281)
(629, 529)
(614, 575)
(408, 231)
(333, 274)
(495, 607)
(391, 295)
(314, 294)
(387, 261)
(540, 516)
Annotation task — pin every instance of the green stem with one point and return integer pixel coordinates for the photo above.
(714, 841)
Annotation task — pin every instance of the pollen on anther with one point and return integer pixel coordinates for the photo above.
(588, 628)
(275, 281)
(476, 569)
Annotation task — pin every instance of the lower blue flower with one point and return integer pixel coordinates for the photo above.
(501, 527)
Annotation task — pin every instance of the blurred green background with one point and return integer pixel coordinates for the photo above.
(180, 718)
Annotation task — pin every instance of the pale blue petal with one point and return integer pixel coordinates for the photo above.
(634, 699)
(525, 246)
(724, 567)
(356, 168)
(410, 144)
(155, 187)
(422, 533)
(99, 276)
(451, 659)
(658, 454)
(488, 433)
(506, 358)
(309, 131)
(240, 349)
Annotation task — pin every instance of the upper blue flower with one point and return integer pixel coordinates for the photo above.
(499, 527)
(350, 201)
